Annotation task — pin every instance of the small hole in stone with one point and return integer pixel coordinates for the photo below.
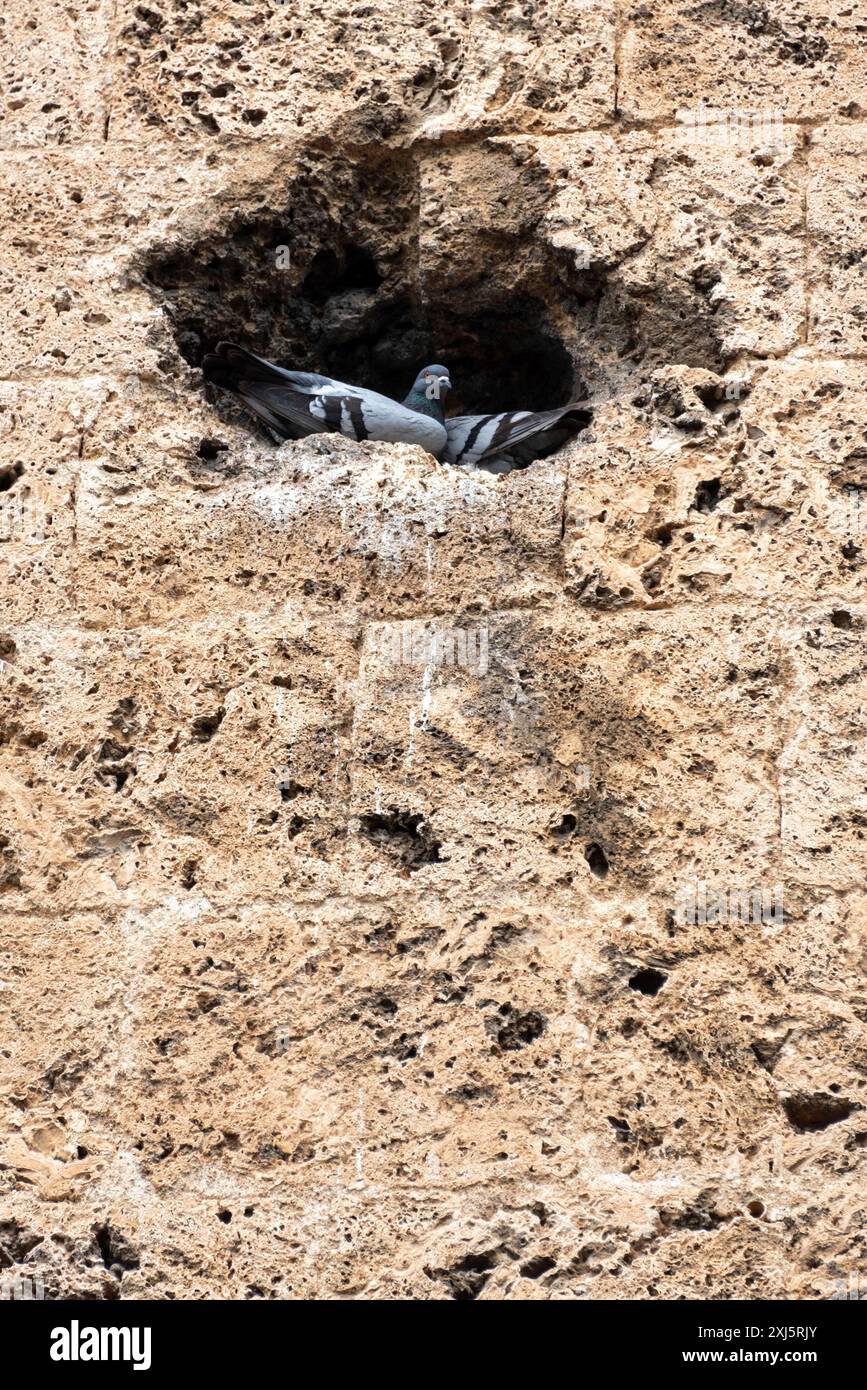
(189, 873)
(840, 618)
(597, 859)
(289, 789)
(538, 1265)
(9, 476)
(663, 535)
(707, 495)
(808, 1112)
(404, 836)
(210, 449)
(565, 829)
(647, 981)
(206, 725)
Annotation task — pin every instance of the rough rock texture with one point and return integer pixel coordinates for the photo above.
(332, 965)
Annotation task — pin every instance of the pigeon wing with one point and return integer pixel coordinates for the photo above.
(513, 438)
(300, 403)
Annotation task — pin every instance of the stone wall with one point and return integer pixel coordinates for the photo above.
(416, 883)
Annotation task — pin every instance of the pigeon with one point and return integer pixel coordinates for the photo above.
(513, 439)
(294, 404)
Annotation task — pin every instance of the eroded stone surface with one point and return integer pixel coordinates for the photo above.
(417, 883)
(55, 73)
(799, 58)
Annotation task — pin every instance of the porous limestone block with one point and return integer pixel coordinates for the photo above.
(55, 74)
(381, 528)
(801, 58)
(42, 425)
(130, 753)
(837, 231)
(67, 1032)
(206, 72)
(759, 501)
(551, 67)
(65, 285)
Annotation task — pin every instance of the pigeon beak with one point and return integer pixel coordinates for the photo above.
(445, 383)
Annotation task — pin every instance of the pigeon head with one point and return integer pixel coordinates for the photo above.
(429, 391)
(433, 382)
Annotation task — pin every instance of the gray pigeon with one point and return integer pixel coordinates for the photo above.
(293, 404)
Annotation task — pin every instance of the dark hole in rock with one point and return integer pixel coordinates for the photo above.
(327, 278)
(513, 1029)
(117, 774)
(466, 1278)
(210, 449)
(289, 789)
(647, 981)
(566, 828)
(9, 475)
(840, 618)
(16, 1242)
(403, 835)
(538, 1265)
(206, 725)
(707, 495)
(624, 1133)
(817, 1111)
(597, 859)
(663, 534)
(381, 1004)
(189, 874)
(352, 265)
(117, 1252)
(504, 933)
